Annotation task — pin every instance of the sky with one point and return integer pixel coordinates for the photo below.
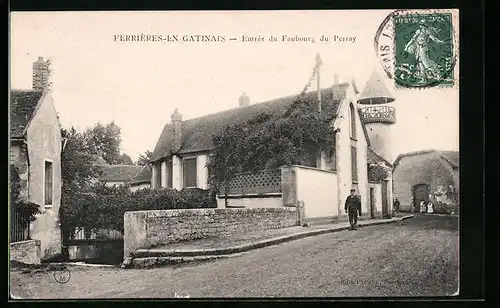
(139, 84)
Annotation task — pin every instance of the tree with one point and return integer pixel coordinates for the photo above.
(104, 141)
(15, 183)
(78, 173)
(270, 141)
(125, 159)
(145, 158)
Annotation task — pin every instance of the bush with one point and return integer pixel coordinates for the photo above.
(27, 210)
(105, 207)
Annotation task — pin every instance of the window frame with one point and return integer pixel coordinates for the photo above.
(195, 158)
(45, 161)
(352, 122)
(354, 164)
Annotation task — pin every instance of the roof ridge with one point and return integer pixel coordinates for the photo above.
(266, 101)
(379, 156)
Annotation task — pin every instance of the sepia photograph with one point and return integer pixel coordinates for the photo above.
(234, 154)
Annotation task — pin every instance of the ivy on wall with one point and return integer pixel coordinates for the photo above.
(377, 173)
(27, 210)
(270, 141)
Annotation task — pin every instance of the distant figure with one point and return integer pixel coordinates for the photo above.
(353, 206)
(396, 205)
(430, 207)
(422, 206)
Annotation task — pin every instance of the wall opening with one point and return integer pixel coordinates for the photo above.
(48, 182)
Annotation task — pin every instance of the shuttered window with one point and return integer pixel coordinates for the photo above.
(354, 164)
(48, 184)
(189, 172)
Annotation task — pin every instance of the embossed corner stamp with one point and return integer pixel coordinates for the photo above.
(418, 49)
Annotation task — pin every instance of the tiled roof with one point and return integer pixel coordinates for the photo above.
(143, 176)
(197, 133)
(374, 158)
(118, 173)
(450, 157)
(23, 105)
(375, 88)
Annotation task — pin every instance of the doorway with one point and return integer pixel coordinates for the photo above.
(385, 208)
(372, 202)
(420, 193)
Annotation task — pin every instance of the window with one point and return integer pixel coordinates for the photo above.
(354, 164)
(169, 174)
(189, 172)
(48, 182)
(352, 122)
(157, 175)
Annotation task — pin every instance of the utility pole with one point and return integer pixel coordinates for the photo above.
(319, 62)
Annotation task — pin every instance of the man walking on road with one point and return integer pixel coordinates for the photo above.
(353, 206)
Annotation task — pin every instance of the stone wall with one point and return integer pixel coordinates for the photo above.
(265, 201)
(27, 252)
(147, 229)
(429, 169)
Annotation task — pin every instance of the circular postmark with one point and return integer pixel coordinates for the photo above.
(418, 48)
(62, 275)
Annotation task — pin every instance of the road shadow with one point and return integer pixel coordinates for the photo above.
(432, 222)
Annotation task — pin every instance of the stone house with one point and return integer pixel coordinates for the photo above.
(118, 175)
(323, 183)
(429, 175)
(35, 149)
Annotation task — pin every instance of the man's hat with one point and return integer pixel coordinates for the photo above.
(353, 190)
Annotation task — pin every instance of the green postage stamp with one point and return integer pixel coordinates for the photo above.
(423, 48)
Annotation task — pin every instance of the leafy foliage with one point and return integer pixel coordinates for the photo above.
(271, 141)
(377, 173)
(145, 158)
(105, 141)
(105, 206)
(15, 183)
(125, 159)
(27, 210)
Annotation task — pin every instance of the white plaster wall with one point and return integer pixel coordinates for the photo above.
(44, 142)
(251, 202)
(202, 171)
(176, 172)
(380, 138)
(163, 174)
(317, 189)
(377, 198)
(114, 183)
(140, 186)
(344, 155)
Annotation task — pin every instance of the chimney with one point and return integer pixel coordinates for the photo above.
(335, 79)
(40, 75)
(177, 127)
(244, 100)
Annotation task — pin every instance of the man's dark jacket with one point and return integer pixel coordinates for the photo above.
(353, 203)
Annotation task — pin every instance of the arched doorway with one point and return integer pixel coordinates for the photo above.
(420, 192)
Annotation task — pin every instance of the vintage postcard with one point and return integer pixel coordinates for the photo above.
(228, 154)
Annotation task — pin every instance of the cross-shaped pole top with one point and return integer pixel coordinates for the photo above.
(318, 60)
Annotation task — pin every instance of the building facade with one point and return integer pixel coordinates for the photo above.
(429, 175)
(35, 149)
(183, 150)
